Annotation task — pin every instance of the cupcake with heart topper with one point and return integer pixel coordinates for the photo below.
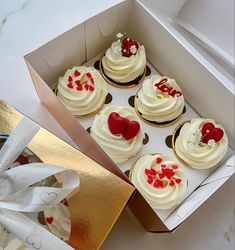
(160, 101)
(160, 179)
(118, 131)
(124, 63)
(200, 143)
(82, 90)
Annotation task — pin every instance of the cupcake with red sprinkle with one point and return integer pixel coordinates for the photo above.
(82, 90)
(160, 179)
(124, 63)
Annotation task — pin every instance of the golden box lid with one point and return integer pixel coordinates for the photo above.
(102, 195)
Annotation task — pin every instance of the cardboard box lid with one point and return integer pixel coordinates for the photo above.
(93, 210)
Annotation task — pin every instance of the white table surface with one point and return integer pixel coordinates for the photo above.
(27, 24)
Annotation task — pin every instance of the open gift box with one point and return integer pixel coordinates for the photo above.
(101, 197)
(169, 54)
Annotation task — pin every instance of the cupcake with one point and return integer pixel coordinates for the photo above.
(160, 101)
(82, 90)
(118, 131)
(124, 63)
(160, 179)
(200, 143)
(58, 220)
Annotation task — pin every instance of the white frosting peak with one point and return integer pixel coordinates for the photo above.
(193, 151)
(157, 106)
(82, 102)
(123, 69)
(118, 148)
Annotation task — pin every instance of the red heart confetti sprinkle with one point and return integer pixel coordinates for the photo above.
(153, 171)
(79, 88)
(158, 160)
(150, 176)
(178, 180)
(147, 171)
(87, 86)
(158, 184)
(172, 183)
(163, 166)
(174, 166)
(70, 79)
(88, 74)
(91, 88)
(77, 73)
(161, 175)
(92, 80)
(78, 82)
(150, 181)
(49, 219)
(70, 85)
(210, 132)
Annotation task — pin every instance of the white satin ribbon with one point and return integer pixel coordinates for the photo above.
(17, 195)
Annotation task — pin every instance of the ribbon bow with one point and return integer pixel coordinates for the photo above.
(17, 194)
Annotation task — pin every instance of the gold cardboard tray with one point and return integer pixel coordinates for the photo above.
(102, 195)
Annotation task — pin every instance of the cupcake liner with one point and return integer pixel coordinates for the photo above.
(126, 85)
(152, 123)
(175, 134)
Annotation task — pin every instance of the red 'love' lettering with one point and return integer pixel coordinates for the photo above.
(166, 89)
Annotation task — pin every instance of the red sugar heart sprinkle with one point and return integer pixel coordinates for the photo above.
(163, 166)
(87, 86)
(49, 219)
(172, 183)
(147, 171)
(150, 176)
(150, 181)
(178, 180)
(88, 74)
(161, 175)
(91, 88)
(158, 184)
(78, 82)
(79, 88)
(92, 80)
(174, 166)
(158, 160)
(70, 85)
(153, 171)
(77, 73)
(70, 79)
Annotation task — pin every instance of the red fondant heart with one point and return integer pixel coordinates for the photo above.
(131, 130)
(210, 132)
(116, 123)
(49, 219)
(126, 46)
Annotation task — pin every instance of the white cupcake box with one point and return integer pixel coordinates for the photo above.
(207, 91)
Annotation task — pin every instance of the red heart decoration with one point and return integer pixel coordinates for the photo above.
(210, 132)
(126, 46)
(116, 123)
(131, 130)
(49, 219)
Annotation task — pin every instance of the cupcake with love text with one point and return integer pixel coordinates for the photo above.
(82, 90)
(160, 179)
(160, 101)
(200, 143)
(118, 131)
(124, 63)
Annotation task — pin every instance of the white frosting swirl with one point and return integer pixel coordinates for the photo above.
(123, 69)
(162, 197)
(190, 149)
(82, 102)
(118, 148)
(157, 106)
(61, 224)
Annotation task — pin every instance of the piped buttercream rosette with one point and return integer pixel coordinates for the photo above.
(160, 101)
(124, 63)
(82, 90)
(118, 131)
(160, 179)
(200, 143)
